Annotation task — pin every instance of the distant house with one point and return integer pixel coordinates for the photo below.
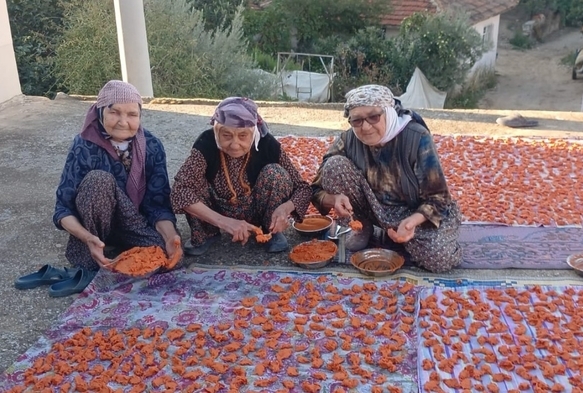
(484, 15)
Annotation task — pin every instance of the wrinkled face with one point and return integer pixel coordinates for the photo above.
(121, 121)
(236, 142)
(369, 123)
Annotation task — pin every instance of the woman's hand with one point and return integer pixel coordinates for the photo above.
(279, 218)
(96, 247)
(239, 229)
(342, 205)
(406, 230)
(174, 249)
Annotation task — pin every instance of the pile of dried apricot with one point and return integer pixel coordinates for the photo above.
(138, 261)
(513, 181)
(303, 335)
(526, 339)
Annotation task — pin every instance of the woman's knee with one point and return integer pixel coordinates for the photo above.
(336, 166)
(274, 175)
(98, 180)
(435, 255)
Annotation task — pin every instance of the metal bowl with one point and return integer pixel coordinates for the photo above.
(314, 264)
(313, 225)
(576, 262)
(377, 262)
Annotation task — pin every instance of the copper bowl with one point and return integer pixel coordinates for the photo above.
(313, 225)
(316, 245)
(377, 262)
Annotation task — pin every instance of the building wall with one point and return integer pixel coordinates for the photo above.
(488, 29)
(9, 82)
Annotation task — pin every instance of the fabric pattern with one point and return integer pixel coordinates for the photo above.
(504, 247)
(85, 156)
(107, 212)
(202, 303)
(369, 95)
(435, 249)
(117, 92)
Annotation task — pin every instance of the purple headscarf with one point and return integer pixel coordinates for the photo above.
(240, 112)
(118, 92)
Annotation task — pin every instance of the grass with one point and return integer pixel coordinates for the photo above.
(569, 59)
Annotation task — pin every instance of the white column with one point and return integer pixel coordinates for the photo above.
(9, 82)
(133, 45)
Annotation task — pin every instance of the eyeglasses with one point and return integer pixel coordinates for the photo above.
(372, 119)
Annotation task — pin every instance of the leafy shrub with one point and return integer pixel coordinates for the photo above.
(520, 41)
(366, 58)
(88, 55)
(36, 30)
(571, 11)
(472, 90)
(185, 59)
(444, 46)
(287, 25)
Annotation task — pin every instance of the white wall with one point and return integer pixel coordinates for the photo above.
(9, 82)
(488, 60)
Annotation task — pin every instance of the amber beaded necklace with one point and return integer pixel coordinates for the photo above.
(245, 186)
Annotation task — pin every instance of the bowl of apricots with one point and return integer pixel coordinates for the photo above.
(313, 225)
(314, 254)
(377, 262)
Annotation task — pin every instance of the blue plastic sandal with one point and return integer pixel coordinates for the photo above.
(76, 284)
(47, 275)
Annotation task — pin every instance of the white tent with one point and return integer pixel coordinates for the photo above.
(421, 94)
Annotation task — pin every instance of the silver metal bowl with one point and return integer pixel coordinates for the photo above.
(314, 264)
(377, 262)
(310, 227)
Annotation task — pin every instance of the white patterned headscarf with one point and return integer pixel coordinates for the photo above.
(381, 96)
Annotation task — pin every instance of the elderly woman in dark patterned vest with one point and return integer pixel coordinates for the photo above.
(238, 178)
(114, 188)
(385, 171)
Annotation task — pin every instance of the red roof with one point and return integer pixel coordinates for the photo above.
(401, 9)
(478, 10)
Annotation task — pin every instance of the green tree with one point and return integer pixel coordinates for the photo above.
(185, 59)
(571, 10)
(444, 46)
(298, 24)
(216, 13)
(36, 30)
(88, 56)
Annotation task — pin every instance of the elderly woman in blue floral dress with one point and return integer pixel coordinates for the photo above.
(237, 178)
(385, 171)
(114, 189)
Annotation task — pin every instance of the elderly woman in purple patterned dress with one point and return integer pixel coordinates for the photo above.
(385, 171)
(236, 178)
(114, 188)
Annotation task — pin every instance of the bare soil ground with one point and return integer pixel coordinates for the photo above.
(535, 78)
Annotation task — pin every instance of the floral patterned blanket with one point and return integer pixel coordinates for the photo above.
(226, 331)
